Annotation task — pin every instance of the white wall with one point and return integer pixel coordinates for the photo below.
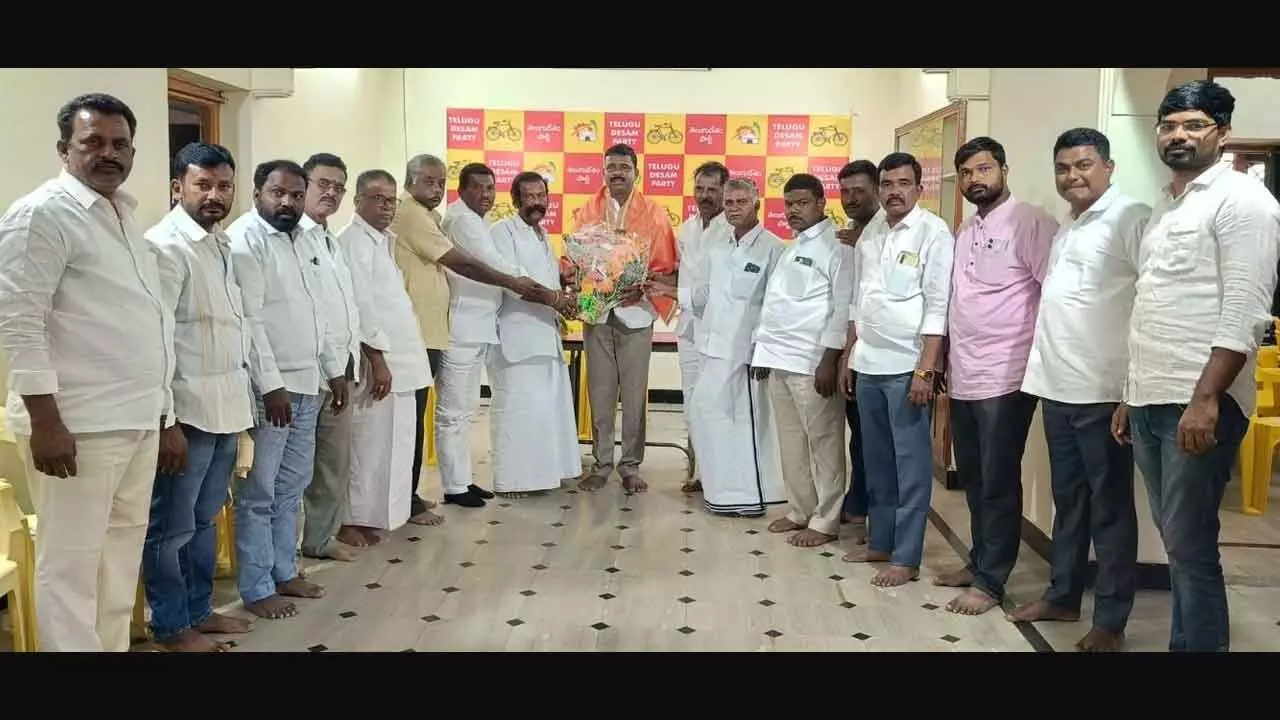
(1257, 114)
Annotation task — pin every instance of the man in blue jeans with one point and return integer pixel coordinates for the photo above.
(898, 317)
(1207, 274)
(277, 267)
(211, 396)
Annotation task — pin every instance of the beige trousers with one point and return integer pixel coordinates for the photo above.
(811, 446)
(89, 540)
(617, 368)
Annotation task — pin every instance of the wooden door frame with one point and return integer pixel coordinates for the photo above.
(208, 100)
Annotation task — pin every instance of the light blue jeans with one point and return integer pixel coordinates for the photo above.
(267, 501)
(897, 456)
(181, 549)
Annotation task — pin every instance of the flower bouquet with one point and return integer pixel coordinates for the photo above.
(605, 265)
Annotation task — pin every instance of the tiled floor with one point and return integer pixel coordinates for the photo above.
(611, 572)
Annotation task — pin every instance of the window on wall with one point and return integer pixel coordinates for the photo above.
(193, 115)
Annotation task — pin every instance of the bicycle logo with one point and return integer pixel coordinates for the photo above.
(779, 177)
(828, 134)
(664, 132)
(503, 129)
(501, 211)
(455, 168)
(673, 218)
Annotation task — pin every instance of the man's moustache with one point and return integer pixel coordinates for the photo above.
(108, 165)
(537, 209)
(213, 206)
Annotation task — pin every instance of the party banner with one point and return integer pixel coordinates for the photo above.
(567, 149)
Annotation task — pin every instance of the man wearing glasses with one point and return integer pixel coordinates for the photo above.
(1207, 272)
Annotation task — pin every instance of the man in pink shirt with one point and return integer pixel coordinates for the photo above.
(1001, 256)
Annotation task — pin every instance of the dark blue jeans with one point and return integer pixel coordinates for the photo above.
(1186, 493)
(898, 451)
(855, 501)
(180, 551)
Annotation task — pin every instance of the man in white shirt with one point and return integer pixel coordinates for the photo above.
(860, 199)
(531, 414)
(1206, 277)
(899, 315)
(1077, 367)
(691, 240)
(90, 351)
(325, 533)
(731, 422)
(279, 274)
(383, 423)
(212, 398)
(473, 333)
(798, 344)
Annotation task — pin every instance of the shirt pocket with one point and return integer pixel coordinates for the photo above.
(1178, 251)
(1082, 269)
(901, 279)
(993, 262)
(801, 278)
(745, 282)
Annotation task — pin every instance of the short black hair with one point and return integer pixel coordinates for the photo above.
(804, 181)
(893, 161)
(858, 167)
(524, 177)
(101, 103)
(1206, 96)
(623, 150)
(324, 160)
(264, 170)
(1081, 137)
(368, 176)
(712, 167)
(472, 170)
(978, 145)
(202, 155)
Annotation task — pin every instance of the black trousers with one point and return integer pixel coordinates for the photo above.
(1092, 478)
(419, 443)
(988, 437)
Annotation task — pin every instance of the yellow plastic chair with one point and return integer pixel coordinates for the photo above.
(16, 571)
(429, 427)
(1257, 452)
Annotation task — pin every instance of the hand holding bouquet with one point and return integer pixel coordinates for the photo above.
(609, 267)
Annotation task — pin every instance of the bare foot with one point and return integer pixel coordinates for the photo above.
(866, 555)
(351, 535)
(298, 587)
(858, 532)
(217, 624)
(513, 495)
(373, 536)
(956, 578)
(855, 519)
(1100, 641)
(895, 575)
(634, 484)
(272, 608)
(426, 518)
(693, 486)
(1042, 610)
(591, 483)
(809, 537)
(341, 552)
(784, 525)
(971, 601)
(192, 641)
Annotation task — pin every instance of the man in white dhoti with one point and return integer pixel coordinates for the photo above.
(731, 424)
(533, 433)
(473, 334)
(90, 351)
(383, 422)
(691, 245)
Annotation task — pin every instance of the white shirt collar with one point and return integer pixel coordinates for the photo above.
(87, 196)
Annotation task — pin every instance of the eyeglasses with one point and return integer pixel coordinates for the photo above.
(382, 200)
(1192, 127)
(327, 185)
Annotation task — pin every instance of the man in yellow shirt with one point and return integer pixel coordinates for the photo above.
(423, 252)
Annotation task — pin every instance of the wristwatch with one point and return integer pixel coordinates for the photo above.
(925, 375)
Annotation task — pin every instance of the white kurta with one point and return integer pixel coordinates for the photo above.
(383, 431)
(533, 434)
(731, 423)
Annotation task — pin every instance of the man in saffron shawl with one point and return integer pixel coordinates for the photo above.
(619, 345)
